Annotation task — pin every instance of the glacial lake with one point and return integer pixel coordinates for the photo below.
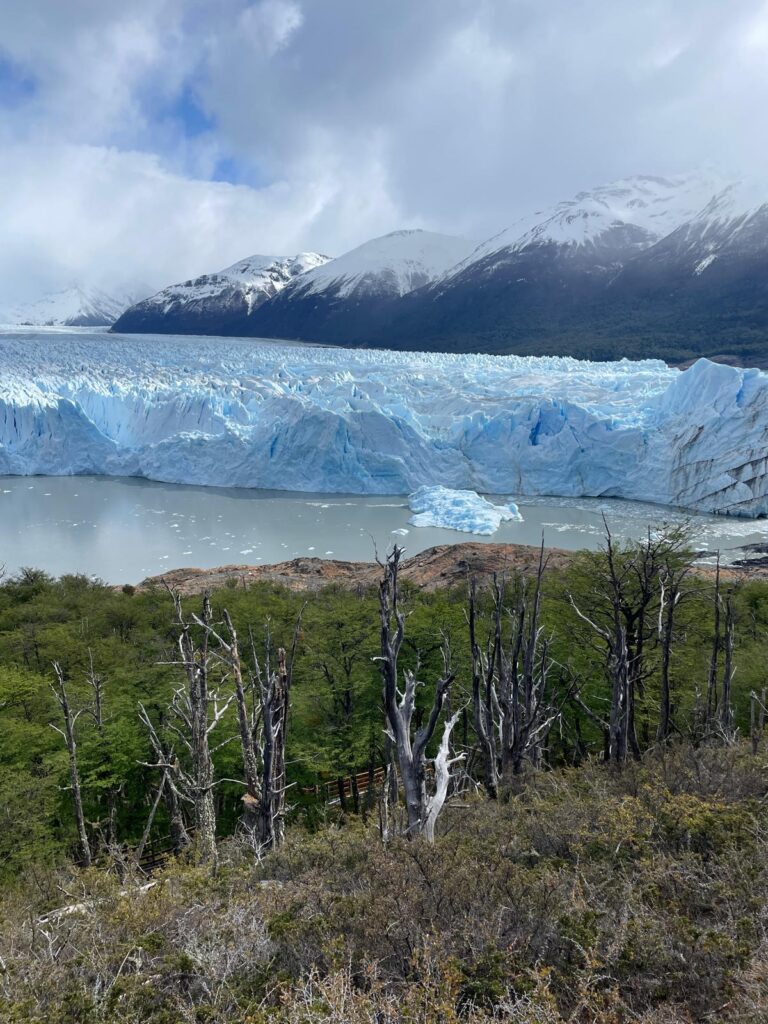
(123, 530)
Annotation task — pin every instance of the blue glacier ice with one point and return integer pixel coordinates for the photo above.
(253, 414)
(454, 509)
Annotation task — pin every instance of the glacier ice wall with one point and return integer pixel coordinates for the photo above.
(252, 414)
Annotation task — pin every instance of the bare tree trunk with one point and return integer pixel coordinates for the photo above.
(68, 732)
(667, 605)
(443, 764)
(483, 699)
(197, 698)
(399, 706)
(191, 706)
(247, 742)
(390, 759)
(712, 698)
(96, 682)
(151, 817)
(725, 711)
(166, 760)
(274, 702)
(756, 719)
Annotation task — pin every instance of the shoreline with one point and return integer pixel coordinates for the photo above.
(434, 568)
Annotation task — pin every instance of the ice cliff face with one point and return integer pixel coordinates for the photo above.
(301, 418)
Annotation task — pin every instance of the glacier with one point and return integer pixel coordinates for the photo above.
(245, 413)
(466, 511)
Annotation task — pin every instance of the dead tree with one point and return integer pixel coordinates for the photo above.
(169, 788)
(757, 718)
(513, 702)
(97, 712)
(68, 732)
(275, 689)
(671, 593)
(443, 764)
(410, 744)
(712, 694)
(484, 695)
(195, 711)
(624, 617)
(718, 711)
(262, 726)
(247, 719)
(151, 818)
(527, 712)
(724, 708)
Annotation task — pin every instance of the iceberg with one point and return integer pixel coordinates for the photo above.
(453, 509)
(257, 414)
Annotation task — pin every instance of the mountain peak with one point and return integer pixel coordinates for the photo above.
(392, 264)
(623, 216)
(75, 306)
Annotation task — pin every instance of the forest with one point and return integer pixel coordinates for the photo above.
(531, 797)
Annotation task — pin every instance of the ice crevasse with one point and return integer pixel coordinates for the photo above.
(249, 414)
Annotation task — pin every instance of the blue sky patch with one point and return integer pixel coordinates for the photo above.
(16, 86)
(187, 111)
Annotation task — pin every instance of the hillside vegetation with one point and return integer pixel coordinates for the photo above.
(580, 834)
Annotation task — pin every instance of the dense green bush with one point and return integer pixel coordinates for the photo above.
(129, 638)
(596, 895)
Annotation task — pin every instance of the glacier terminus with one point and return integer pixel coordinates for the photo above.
(245, 413)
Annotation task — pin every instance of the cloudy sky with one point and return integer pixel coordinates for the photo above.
(151, 140)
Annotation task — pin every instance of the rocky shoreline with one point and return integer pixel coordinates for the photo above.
(442, 566)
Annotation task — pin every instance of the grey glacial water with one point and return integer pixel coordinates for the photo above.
(123, 530)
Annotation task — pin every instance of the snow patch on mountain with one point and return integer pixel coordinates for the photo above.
(381, 422)
(466, 511)
(253, 281)
(394, 265)
(626, 215)
(77, 306)
(732, 225)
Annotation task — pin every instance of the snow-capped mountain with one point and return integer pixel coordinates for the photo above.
(348, 298)
(392, 265)
(217, 303)
(77, 306)
(731, 227)
(611, 221)
(673, 267)
(648, 266)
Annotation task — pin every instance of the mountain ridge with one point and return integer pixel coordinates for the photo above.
(76, 306)
(671, 267)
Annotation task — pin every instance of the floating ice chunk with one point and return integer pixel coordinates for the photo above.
(402, 532)
(459, 510)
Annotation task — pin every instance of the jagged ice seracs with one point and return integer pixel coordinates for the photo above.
(264, 415)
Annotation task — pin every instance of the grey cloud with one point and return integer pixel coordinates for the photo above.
(458, 115)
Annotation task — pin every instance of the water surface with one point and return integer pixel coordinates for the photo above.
(123, 530)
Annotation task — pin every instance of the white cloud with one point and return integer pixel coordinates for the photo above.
(98, 214)
(349, 118)
(269, 25)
